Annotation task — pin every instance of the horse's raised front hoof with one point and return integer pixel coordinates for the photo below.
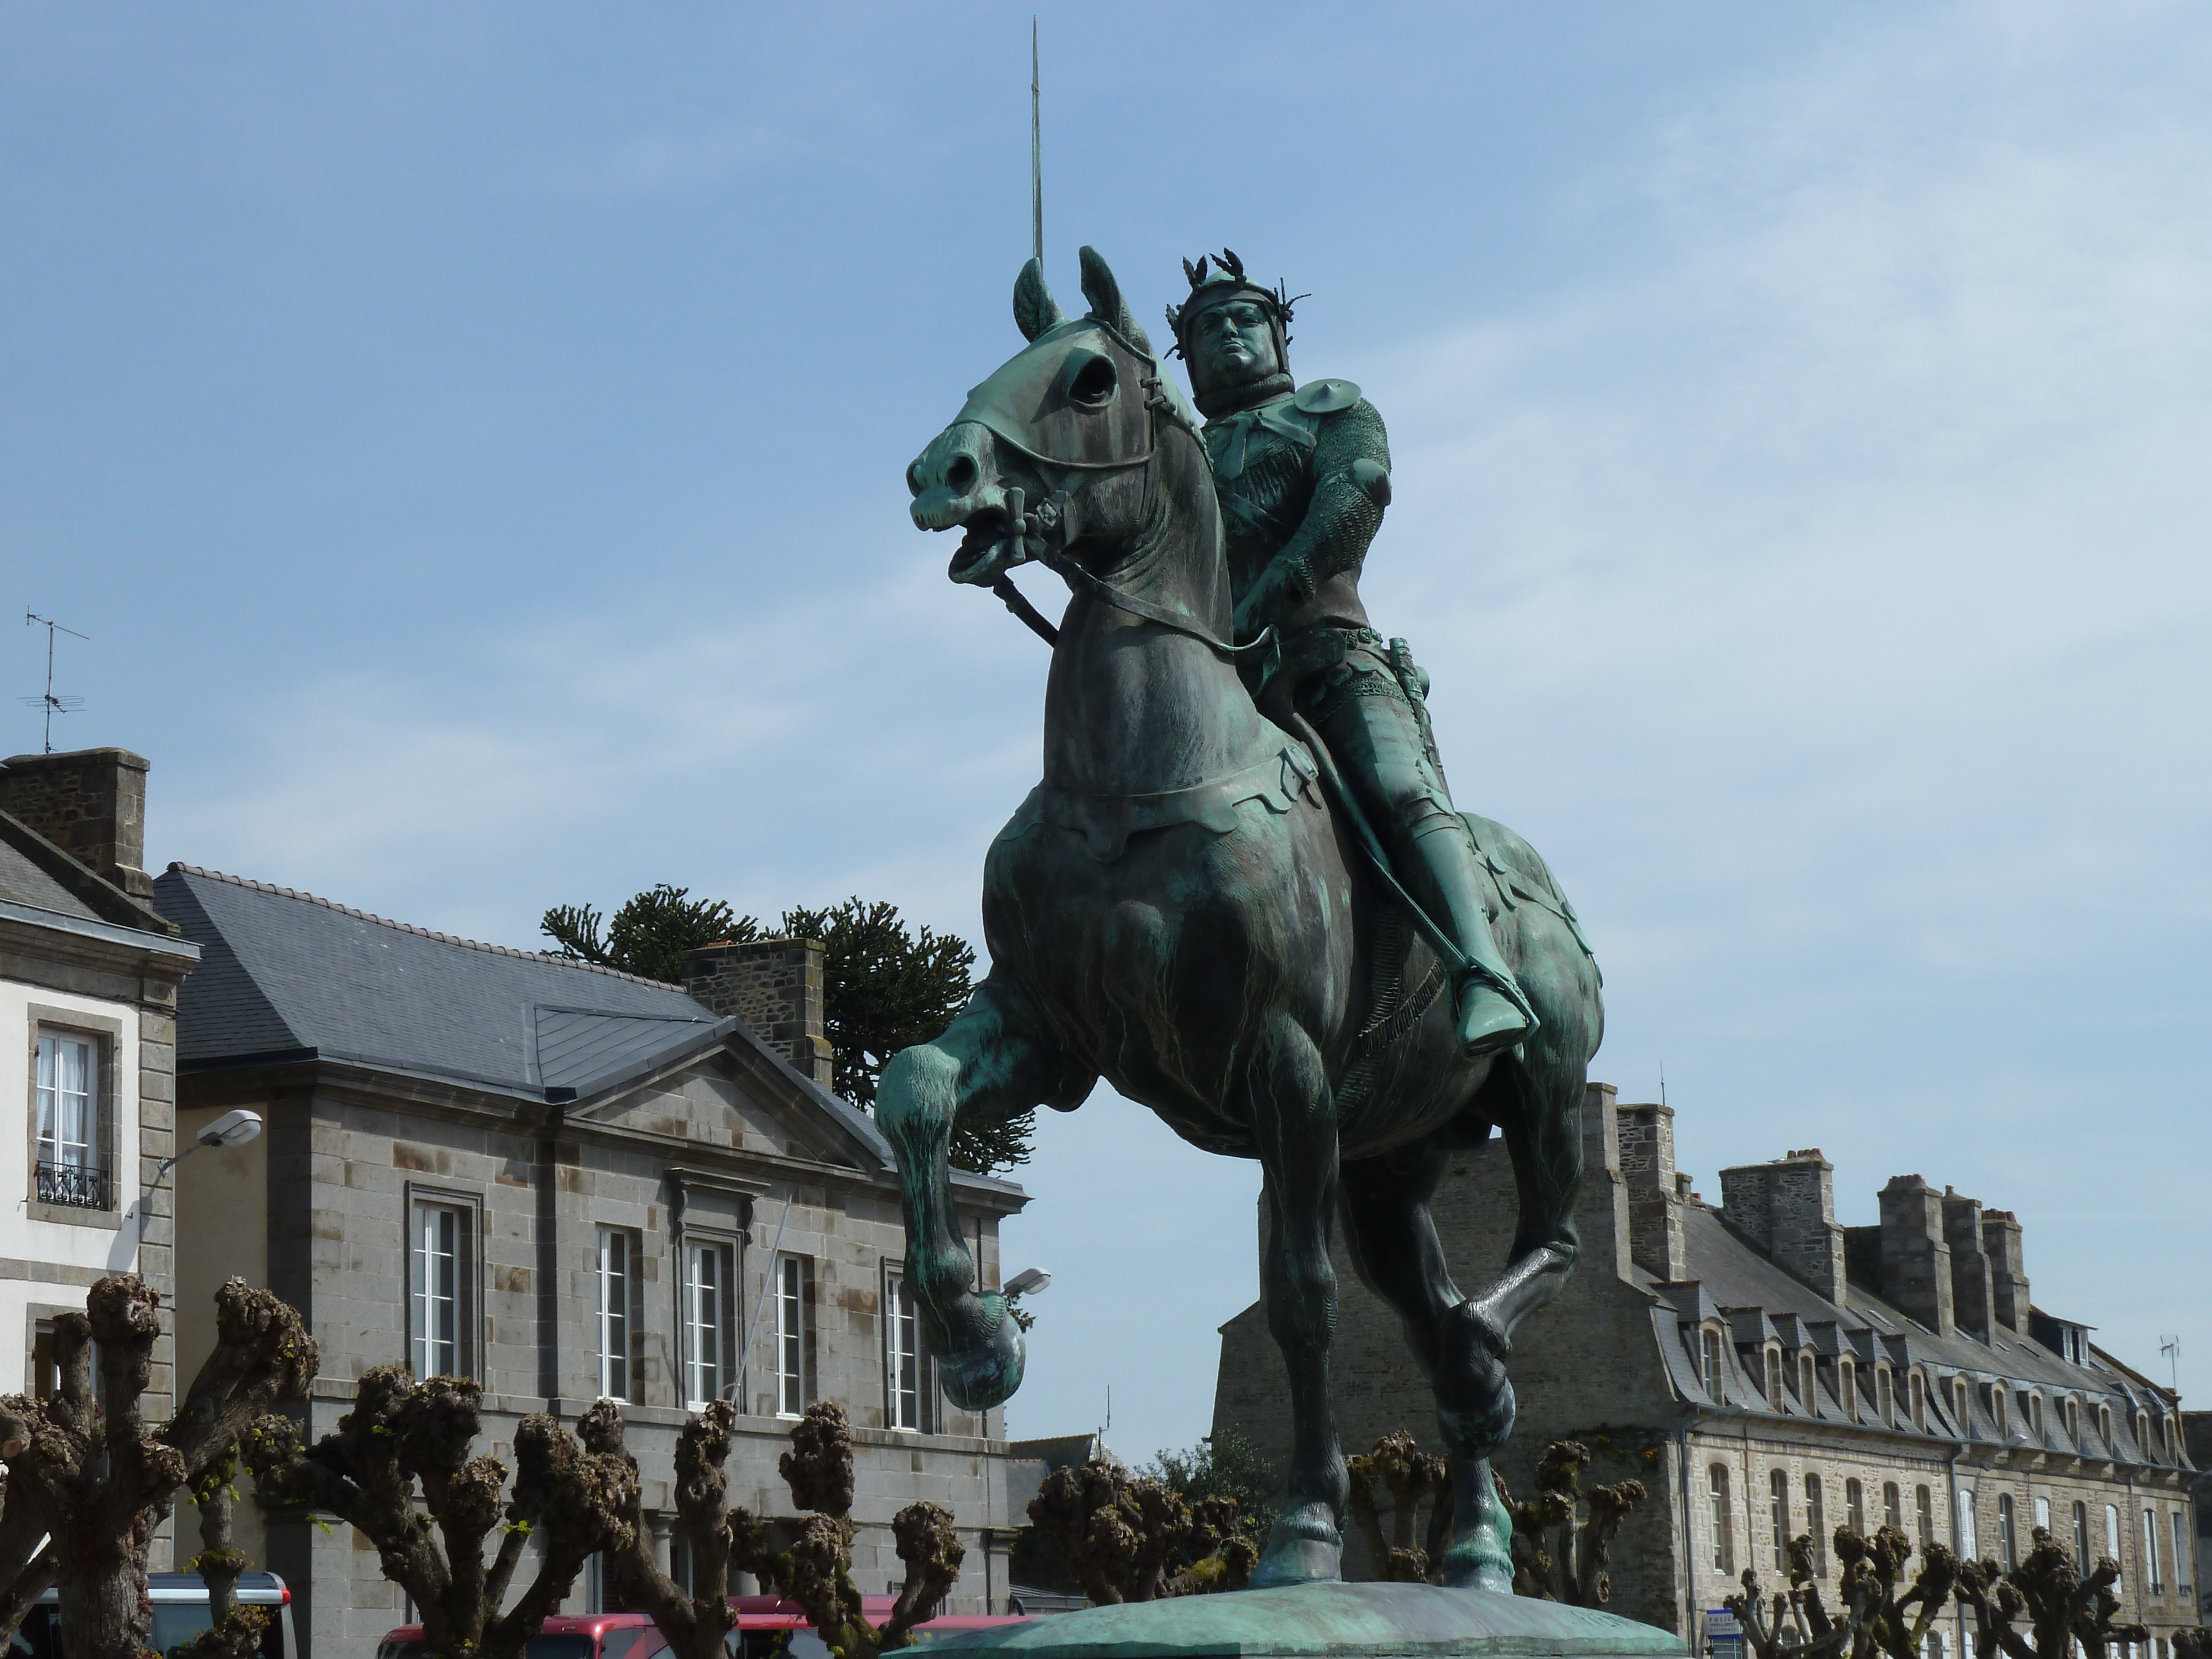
(1304, 1547)
(983, 1369)
(1481, 1553)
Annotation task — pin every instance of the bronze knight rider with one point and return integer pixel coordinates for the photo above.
(1303, 474)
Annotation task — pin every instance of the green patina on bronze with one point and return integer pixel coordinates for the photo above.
(1184, 909)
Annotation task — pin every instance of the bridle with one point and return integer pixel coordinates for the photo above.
(1039, 533)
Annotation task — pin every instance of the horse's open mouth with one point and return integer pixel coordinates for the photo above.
(982, 553)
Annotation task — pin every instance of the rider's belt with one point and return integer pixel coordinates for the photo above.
(1107, 822)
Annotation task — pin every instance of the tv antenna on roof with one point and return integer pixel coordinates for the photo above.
(2171, 1348)
(50, 703)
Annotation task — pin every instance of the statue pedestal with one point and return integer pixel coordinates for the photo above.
(1372, 1621)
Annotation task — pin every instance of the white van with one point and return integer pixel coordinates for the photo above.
(181, 1612)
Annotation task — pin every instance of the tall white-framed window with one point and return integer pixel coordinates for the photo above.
(72, 1164)
(1854, 1507)
(1924, 1504)
(2152, 1569)
(2007, 1533)
(618, 1329)
(1963, 1525)
(1893, 1506)
(2082, 1539)
(441, 1253)
(906, 1367)
(2181, 1553)
(2113, 1541)
(1717, 1486)
(792, 1274)
(1816, 1523)
(709, 1319)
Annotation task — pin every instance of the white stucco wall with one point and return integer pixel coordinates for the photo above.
(39, 1257)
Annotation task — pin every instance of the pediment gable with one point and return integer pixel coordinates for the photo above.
(726, 1097)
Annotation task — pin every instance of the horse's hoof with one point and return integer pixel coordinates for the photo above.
(984, 1372)
(1480, 1556)
(1304, 1547)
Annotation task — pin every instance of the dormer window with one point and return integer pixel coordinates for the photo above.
(2000, 1413)
(1805, 1384)
(2143, 1433)
(2074, 1421)
(1885, 1401)
(1774, 1375)
(1847, 1377)
(2104, 1425)
(1709, 1353)
(1919, 1384)
(2035, 1417)
(1959, 1405)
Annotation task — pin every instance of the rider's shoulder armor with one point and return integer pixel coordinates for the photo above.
(1325, 397)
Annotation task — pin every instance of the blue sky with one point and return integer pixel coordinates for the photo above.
(473, 440)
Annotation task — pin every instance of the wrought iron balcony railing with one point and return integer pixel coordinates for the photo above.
(78, 1186)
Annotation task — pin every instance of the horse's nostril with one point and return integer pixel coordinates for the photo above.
(961, 475)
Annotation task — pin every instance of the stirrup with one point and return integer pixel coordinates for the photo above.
(1487, 1019)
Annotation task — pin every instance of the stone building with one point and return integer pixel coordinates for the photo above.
(1766, 1372)
(88, 978)
(569, 1184)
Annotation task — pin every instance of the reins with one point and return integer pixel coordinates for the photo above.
(1048, 517)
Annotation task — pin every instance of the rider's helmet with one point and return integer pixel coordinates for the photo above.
(1227, 281)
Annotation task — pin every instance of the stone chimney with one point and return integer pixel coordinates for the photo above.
(1655, 1201)
(2007, 1269)
(91, 804)
(1972, 1298)
(1787, 1209)
(775, 986)
(1916, 1261)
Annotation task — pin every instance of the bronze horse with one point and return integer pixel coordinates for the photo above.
(1176, 908)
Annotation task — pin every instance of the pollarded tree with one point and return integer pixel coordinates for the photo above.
(1560, 1554)
(1131, 1538)
(87, 1474)
(401, 1432)
(808, 1560)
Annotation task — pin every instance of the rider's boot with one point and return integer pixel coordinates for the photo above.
(1493, 1013)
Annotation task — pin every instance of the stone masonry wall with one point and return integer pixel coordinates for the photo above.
(775, 986)
(90, 803)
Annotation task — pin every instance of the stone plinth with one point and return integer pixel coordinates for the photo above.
(1371, 1620)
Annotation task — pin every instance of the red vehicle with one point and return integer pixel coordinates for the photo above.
(767, 1628)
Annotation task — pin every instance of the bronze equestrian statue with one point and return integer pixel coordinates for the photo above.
(1179, 908)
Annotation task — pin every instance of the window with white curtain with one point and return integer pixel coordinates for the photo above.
(1963, 1525)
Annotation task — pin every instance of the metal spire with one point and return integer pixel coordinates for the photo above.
(1036, 155)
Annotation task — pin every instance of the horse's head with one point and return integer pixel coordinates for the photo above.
(1050, 452)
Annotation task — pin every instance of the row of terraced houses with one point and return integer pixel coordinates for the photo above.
(571, 1183)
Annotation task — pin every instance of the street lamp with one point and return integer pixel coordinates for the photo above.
(1028, 1282)
(231, 1129)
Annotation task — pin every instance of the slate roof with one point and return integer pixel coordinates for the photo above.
(1729, 1278)
(283, 972)
(286, 975)
(38, 875)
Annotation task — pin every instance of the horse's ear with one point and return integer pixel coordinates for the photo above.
(1107, 304)
(1035, 309)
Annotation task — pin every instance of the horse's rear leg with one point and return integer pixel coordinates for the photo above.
(1293, 1117)
(989, 1064)
(1393, 1244)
